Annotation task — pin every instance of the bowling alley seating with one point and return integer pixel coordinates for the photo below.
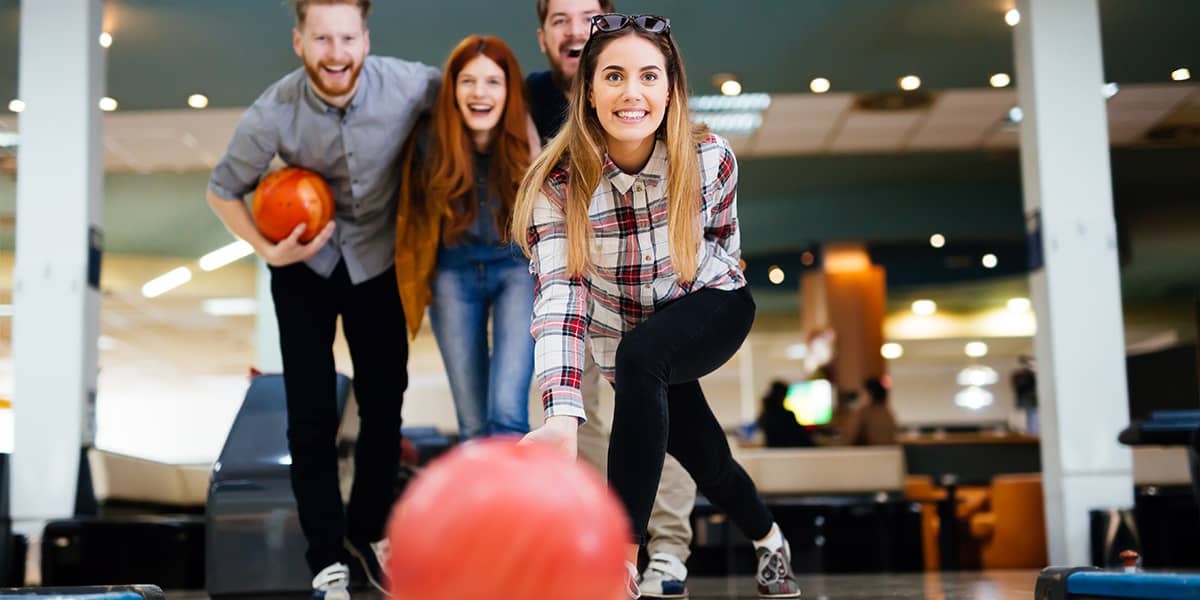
(117, 478)
(831, 502)
(1011, 525)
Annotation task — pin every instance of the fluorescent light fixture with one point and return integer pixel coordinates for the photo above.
(226, 254)
(742, 103)
(978, 375)
(722, 122)
(974, 398)
(230, 307)
(924, 307)
(166, 282)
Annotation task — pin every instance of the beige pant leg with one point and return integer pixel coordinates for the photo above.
(670, 528)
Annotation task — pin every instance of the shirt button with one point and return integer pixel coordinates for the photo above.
(638, 187)
(647, 286)
(649, 258)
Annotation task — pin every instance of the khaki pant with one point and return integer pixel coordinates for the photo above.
(670, 527)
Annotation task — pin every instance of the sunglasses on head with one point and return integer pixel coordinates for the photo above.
(611, 22)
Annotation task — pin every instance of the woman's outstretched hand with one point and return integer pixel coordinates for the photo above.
(558, 433)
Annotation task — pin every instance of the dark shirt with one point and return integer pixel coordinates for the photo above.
(547, 104)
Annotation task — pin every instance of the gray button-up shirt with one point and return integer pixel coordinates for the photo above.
(355, 150)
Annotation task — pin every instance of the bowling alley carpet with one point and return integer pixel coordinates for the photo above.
(985, 585)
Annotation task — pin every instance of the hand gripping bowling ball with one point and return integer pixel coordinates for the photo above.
(289, 197)
(492, 519)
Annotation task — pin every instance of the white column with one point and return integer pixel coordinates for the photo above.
(56, 278)
(1075, 278)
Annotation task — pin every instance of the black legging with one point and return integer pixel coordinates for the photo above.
(660, 408)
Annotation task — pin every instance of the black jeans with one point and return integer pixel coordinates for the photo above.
(660, 408)
(307, 307)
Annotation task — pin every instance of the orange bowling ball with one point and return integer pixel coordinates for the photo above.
(492, 519)
(289, 197)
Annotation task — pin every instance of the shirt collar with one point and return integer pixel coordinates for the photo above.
(654, 172)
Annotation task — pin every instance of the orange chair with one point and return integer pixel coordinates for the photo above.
(1012, 530)
(920, 488)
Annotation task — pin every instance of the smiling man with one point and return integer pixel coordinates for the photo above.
(345, 115)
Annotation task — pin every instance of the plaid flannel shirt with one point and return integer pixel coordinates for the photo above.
(633, 274)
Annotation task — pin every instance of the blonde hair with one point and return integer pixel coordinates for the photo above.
(580, 147)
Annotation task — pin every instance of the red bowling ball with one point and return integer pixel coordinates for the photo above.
(492, 519)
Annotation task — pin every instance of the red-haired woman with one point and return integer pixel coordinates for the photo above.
(453, 249)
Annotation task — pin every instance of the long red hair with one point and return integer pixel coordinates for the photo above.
(447, 183)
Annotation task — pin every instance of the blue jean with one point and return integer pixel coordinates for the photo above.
(490, 389)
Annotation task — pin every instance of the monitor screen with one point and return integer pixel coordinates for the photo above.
(810, 401)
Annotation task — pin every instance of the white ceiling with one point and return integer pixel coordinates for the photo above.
(795, 124)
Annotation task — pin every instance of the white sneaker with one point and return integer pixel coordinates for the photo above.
(665, 577)
(631, 581)
(332, 583)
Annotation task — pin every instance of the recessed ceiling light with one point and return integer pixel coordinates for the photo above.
(1016, 115)
(891, 351)
(197, 101)
(105, 39)
(819, 85)
(16, 105)
(731, 88)
(1110, 89)
(978, 375)
(1019, 305)
(1181, 74)
(990, 261)
(924, 308)
(976, 349)
(775, 274)
(1000, 80)
(974, 398)
(937, 240)
(909, 83)
(1012, 17)
(108, 104)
